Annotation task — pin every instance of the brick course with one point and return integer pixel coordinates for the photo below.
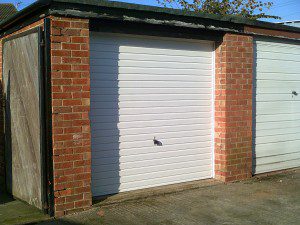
(70, 73)
(233, 108)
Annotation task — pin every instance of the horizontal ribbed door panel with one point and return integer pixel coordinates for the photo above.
(277, 113)
(146, 87)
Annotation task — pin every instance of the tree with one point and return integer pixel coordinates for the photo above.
(251, 9)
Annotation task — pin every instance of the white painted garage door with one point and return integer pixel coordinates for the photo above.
(277, 142)
(146, 87)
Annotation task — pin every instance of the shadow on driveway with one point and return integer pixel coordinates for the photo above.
(14, 212)
(267, 200)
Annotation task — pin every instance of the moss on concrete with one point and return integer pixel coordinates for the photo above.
(16, 212)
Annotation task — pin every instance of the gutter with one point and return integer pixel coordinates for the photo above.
(138, 8)
(94, 9)
(113, 10)
(48, 118)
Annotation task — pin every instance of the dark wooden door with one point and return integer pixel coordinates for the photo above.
(23, 116)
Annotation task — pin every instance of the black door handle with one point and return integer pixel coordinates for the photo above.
(157, 142)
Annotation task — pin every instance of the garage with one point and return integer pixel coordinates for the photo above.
(118, 97)
(277, 112)
(151, 111)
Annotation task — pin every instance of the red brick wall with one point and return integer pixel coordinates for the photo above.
(2, 148)
(233, 108)
(272, 33)
(70, 73)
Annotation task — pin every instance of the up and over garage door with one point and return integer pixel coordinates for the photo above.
(277, 113)
(151, 111)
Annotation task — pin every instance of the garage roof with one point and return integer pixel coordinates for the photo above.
(6, 10)
(139, 13)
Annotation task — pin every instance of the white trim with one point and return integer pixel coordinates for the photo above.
(213, 107)
(289, 21)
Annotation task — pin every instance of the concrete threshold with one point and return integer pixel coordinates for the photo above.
(150, 192)
(278, 172)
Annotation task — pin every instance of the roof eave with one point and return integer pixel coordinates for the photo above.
(107, 8)
(144, 8)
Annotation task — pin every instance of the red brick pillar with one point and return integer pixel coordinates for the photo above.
(233, 108)
(70, 77)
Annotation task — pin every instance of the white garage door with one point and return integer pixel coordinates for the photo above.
(141, 88)
(277, 142)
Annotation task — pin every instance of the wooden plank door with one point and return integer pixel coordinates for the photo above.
(23, 116)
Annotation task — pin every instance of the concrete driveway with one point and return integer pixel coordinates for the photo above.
(17, 212)
(267, 200)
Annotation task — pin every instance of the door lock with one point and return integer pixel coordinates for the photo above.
(157, 142)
